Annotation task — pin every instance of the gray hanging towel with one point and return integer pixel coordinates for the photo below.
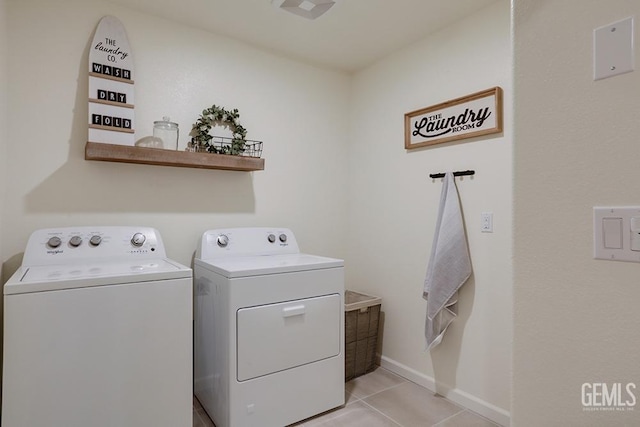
(449, 264)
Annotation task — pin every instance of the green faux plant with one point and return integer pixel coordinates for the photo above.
(201, 140)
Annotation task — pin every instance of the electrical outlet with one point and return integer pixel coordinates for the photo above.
(486, 222)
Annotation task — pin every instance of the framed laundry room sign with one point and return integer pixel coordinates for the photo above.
(469, 116)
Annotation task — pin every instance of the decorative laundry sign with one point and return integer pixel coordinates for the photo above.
(111, 110)
(467, 117)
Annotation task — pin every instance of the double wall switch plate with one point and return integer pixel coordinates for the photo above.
(616, 233)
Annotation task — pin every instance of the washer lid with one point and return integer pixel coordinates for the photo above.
(71, 276)
(267, 264)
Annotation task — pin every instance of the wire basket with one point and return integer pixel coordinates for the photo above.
(225, 145)
(252, 149)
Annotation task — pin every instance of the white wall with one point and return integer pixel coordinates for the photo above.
(576, 146)
(300, 113)
(3, 138)
(4, 34)
(393, 207)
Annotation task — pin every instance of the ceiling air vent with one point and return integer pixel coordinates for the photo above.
(310, 9)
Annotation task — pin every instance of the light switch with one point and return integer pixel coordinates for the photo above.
(612, 233)
(613, 49)
(635, 233)
(616, 233)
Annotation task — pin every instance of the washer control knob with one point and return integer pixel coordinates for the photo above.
(223, 240)
(54, 242)
(95, 240)
(75, 241)
(271, 238)
(283, 238)
(138, 240)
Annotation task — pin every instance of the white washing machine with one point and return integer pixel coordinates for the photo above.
(98, 332)
(269, 329)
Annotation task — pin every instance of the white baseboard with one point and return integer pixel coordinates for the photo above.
(487, 410)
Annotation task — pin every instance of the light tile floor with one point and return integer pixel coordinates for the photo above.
(383, 399)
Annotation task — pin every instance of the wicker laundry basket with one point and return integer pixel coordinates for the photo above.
(362, 316)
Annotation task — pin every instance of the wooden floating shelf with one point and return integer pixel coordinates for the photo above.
(156, 156)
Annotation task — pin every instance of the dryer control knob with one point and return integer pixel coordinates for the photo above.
(223, 240)
(95, 240)
(138, 239)
(54, 242)
(75, 241)
(271, 238)
(283, 238)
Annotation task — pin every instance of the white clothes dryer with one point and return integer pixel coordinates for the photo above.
(269, 329)
(98, 332)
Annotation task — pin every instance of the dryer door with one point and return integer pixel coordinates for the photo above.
(275, 337)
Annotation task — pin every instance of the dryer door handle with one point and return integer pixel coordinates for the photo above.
(294, 310)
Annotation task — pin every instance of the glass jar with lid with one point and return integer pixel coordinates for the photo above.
(167, 131)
